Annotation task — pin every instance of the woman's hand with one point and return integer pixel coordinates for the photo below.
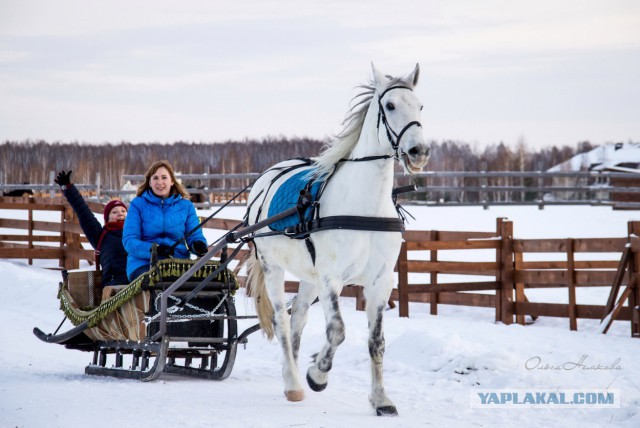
(199, 248)
(63, 179)
(164, 251)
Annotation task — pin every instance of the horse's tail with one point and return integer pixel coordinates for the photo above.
(257, 289)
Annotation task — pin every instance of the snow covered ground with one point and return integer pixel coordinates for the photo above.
(434, 365)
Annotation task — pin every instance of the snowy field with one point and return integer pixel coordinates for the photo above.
(434, 365)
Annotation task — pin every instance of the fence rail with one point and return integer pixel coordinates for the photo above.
(498, 278)
(438, 188)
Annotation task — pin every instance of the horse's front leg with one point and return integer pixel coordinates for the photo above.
(377, 298)
(318, 373)
(274, 279)
(307, 292)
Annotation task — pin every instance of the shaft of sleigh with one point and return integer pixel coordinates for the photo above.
(230, 237)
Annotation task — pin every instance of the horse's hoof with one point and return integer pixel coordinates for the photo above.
(317, 387)
(386, 411)
(294, 395)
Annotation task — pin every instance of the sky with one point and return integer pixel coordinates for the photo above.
(546, 73)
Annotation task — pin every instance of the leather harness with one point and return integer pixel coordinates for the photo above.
(305, 228)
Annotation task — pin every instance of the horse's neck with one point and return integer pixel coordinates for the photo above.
(361, 188)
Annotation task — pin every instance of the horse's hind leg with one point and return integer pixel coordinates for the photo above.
(307, 292)
(274, 279)
(318, 373)
(375, 310)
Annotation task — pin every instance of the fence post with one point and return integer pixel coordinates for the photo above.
(506, 271)
(433, 276)
(633, 228)
(52, 192)
(98, 186)
(498, 302)
(483, 183)
(61, 260)
(520, 296)
(71, 240)
(30, 227)
(540, 186)
(207, 193)
(571, 284)
(403, 282)
(360, 301)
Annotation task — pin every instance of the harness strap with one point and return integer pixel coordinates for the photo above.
(311, 249)
(367, 158)
(409, 125)
(303, 229)
(347, 222)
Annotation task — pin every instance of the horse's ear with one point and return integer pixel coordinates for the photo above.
(378, 78)
(413, 76)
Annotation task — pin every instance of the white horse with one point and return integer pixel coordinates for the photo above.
(358, 168)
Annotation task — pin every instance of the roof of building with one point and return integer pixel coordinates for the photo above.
(622, 157)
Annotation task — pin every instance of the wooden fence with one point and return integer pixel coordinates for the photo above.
(44, 239)
(498, 268)
(509, 273)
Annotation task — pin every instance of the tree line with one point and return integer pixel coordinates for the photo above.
(31, 161)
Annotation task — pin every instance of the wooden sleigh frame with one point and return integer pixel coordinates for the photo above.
(163, 348)
(199, 339)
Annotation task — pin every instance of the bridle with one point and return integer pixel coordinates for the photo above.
(382, 117)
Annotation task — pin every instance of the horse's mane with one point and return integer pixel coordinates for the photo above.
(346, 140)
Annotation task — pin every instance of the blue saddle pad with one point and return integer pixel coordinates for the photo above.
(287, 196)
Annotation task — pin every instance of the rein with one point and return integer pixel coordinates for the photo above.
(366, 158)
(382, 117)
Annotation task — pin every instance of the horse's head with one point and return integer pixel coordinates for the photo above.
(399, 119)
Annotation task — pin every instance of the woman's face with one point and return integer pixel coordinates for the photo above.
(117, 214)
(161, 182)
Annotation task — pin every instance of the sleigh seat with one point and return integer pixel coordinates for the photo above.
(116, 313)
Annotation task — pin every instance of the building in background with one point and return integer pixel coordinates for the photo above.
(609, 158)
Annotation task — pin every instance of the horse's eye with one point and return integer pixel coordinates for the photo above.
(421, 107)
(390, 106)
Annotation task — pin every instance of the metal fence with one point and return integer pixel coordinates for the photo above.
(438, 188)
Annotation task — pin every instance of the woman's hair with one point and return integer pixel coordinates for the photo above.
(177, 188)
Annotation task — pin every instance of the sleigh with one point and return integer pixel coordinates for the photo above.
(140, 330)
(178, 318)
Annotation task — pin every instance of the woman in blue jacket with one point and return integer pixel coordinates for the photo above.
(160, 213)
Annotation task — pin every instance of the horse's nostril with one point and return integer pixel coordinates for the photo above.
(418, 151)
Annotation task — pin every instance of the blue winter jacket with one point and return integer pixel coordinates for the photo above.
(163, 221)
